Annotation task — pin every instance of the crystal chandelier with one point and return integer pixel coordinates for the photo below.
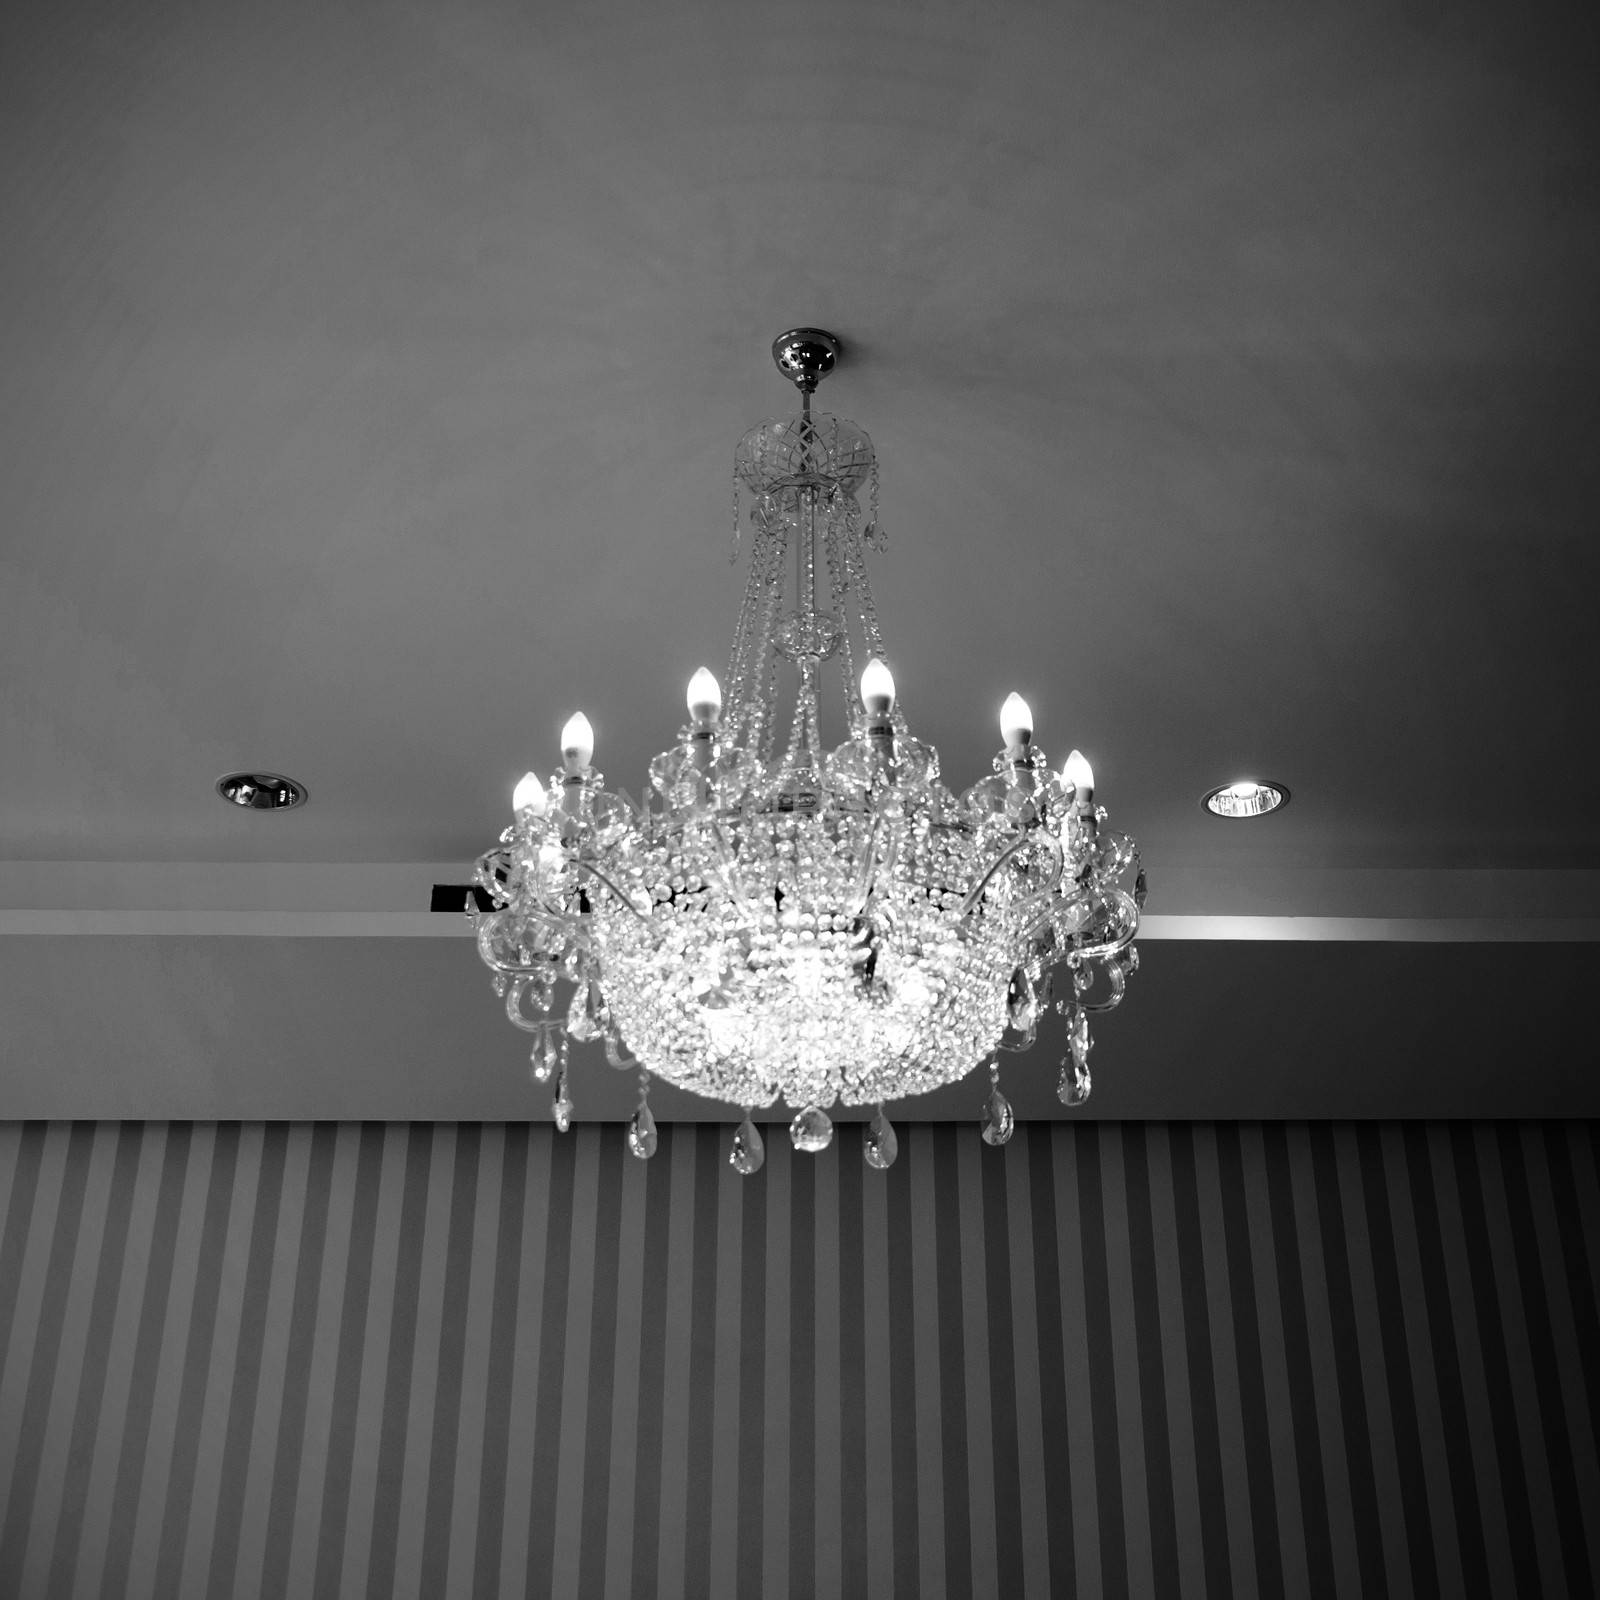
(781, 920)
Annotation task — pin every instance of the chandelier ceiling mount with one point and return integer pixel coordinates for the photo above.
(805, 356)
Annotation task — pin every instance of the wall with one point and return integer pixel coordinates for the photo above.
(1152, 1359)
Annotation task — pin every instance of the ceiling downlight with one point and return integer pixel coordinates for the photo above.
(1246, 798)
(261, 791)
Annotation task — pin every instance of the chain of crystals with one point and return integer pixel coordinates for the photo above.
(807, 605)
(856, 564)
(807, 712)
(853, 616)
(803, 731)
(766, 589)
(738, 649)
(739, 656)
(833, 556)
(764, 734)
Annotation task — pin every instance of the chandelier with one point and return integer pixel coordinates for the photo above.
(778, 919)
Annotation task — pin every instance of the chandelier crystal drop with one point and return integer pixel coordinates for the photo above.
(783, 920)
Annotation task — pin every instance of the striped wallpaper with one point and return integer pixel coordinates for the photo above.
(295, 1360)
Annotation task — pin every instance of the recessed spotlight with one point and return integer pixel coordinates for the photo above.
(261, 791)
(1249, 797)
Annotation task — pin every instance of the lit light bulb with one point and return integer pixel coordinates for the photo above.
(529, 798)
(1079, 775)
(577, 742)
(1016, 724)
(877, 689)
(705, 699)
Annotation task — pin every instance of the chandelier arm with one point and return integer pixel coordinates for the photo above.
(535, 890)
(1048, 891)
(1025, 1040)
(595, 872)
(491, 870)
(1119, 987)
(1031, 837)
(516, 1016)
(510, 969)
(1106, 947)
(488, 926)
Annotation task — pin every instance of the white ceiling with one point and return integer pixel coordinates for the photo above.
(371, 376)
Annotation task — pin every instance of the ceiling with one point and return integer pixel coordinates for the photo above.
(370, 384)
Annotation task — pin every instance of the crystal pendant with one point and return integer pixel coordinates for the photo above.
(1072, 1087)
(748, 1152)
(546, 1059)
(642, 1129)
(1078, 1039)
(582, 1019)
(642, 1133)
(811, 1131)
(999, 1122)
(561, 1104)
(879, 1145)
(500, 983)
(1022, 1004)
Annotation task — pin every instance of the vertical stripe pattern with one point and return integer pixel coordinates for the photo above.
(1185, 1360)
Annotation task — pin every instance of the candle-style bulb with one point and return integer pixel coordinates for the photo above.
(877, 689)
(577, 742)
(529, 797)
(1016, 724)
(705, 699)
(1079, 775)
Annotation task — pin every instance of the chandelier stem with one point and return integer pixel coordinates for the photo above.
(800, 570)
(811, 555)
